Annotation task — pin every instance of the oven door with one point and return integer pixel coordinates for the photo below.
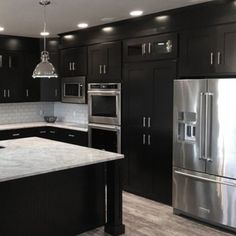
(105, 137)
(104, 107)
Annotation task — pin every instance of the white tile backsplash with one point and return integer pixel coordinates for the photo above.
(25, 112)
(67, 112)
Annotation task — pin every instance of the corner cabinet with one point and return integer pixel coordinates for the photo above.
(74, 62)
(208, 52)
(147, 128)
(104, 62)
(150, 48)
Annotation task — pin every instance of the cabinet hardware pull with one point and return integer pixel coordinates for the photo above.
(144, 122)
(219, 58)
(212, 58)
(100, 69)
(149, 139)
(144, 139)
(149, 122)
(56, 93)
(52, 132)
(149, 48)
(42, 132)
(70, 66)
(8, 93)
(143, 49)
(10, 62)
(27, 92)
(71, 135)
(73, 66)
(4, 93)
(15, 135)
(1, 61)
(104, 69)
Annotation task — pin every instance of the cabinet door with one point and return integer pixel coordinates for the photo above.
(112, 63)
(96, 60)
(74, 62)
(137, 95)
(160, 140)
(226, 53)
(3, 74)
(197, 52)
(31, 86)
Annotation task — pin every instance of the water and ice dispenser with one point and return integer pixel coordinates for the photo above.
(187, 126)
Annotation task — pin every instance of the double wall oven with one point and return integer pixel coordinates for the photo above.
(104, 111)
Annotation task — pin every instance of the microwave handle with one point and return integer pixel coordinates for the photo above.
(80, 90)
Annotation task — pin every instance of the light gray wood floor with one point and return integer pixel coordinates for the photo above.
(144, 217)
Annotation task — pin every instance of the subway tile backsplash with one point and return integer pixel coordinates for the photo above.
(67, 112)
(34, 112)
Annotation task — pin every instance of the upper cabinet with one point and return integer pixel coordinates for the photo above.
(208, 52)
(74, 62)
(151, 48)
(104, 62)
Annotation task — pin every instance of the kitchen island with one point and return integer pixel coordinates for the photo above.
(53, 188)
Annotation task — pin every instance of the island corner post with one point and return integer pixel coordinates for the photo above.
(114, 225)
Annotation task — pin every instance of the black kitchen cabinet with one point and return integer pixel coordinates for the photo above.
(74, 137)
(30, 86)
(104, 62)
(50, 89)
(208, 52)
(74, 62)
(197, 52)
(147, 128)
(16, 133)
(150, 48)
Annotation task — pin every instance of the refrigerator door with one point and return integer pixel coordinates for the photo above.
(222, 142)
(189, 120)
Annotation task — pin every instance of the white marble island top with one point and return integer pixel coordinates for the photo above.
(32, 156)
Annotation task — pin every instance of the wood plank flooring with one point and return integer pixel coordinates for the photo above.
(144, 217)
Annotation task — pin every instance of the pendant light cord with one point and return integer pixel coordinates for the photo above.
(44, 26)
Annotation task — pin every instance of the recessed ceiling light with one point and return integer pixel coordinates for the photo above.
(82, 25)
(162, 18)
(136, 13)
(69, 36)
(44, 33)
(107, 29)
(1, 28)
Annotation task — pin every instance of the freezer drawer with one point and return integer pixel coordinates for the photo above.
(204, 196)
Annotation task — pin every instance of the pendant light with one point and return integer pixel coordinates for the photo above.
(44, 69)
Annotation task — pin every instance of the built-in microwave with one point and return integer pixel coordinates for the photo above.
(74, 89)
(104, 103)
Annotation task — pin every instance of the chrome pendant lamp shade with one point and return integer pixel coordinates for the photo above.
(44, 69)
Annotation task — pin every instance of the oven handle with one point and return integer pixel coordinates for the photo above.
(105, 127)
(105, 93)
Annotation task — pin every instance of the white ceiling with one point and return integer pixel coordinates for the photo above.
(24, 17)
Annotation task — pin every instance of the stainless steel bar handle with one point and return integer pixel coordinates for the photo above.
(149, 122)
(73, 66)
(144, 139)
(10, 62)
(142, 49)
(71, 135)
(8, 93)
(104, 69)
(70, 66)
(218, 58)
(206, 128)
(56, 92)
(149, 48)
(149, 139)
(100, 69)
(200, 125)
(16, 135)
(27, 92)
(4, 93)
(212, 58)
(204, 178)
(1, 65)
(144, 122)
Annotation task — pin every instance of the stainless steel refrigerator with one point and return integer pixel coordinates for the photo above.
(204, 150)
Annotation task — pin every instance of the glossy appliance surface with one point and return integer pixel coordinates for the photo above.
(204, 151)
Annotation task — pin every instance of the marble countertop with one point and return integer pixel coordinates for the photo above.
(33, 156)
(64, 125)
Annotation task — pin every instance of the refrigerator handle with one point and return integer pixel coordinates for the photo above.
(201, 136)
(207, 131)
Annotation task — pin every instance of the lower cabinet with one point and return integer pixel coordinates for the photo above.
(147, 129)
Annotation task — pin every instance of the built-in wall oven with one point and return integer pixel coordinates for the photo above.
(104, 103)
(105, 137)
(74, 89)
